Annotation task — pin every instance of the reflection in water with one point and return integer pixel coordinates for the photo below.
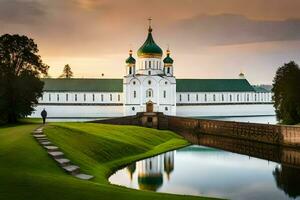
(241, 170)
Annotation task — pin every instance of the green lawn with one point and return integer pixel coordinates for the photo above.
(27, 172)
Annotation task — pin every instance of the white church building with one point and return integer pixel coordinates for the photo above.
(150, 84)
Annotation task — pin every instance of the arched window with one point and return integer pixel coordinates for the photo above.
(134, 94)
(180, 97)
(102, 97)
(230, 97)
(149, 93)
(67, 97)
(214, 97)
(149, 64)
(119, 97)
(222, 97)
(110, 96)
(165, 93)
(49, 97)
(247, 97)
(205, 97)
(57, 97)
(149, 72)
(168, 70)
(255, 97)
(197, 98)
(130, 70)
(84, 97)
(75, 97)
(93, 97)
(238, 97)
(188, 96)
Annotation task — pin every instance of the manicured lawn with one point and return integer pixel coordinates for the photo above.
(27, 172)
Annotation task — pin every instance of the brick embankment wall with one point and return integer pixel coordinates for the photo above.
(266, 133)
(128, 120)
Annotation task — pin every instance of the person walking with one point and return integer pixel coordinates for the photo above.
(44, 115)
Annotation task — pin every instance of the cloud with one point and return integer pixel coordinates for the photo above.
(20, 11)
(229, 29)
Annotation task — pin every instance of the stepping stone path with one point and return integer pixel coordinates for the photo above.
(59, 156)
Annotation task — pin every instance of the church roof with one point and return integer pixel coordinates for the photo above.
(149, 48)
(260, 89)
(213, 85)
(83, 85)
(116, 85)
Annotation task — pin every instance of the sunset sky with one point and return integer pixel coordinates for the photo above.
(207, 38)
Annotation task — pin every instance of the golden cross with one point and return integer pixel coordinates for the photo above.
(149, 19)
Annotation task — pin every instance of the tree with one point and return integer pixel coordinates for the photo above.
(20, 70)
(286, 89)
(67, 72)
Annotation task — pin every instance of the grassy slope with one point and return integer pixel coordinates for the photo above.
(27, 172)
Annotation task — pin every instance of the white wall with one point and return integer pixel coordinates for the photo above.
(226, 110)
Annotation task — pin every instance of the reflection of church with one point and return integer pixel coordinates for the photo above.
(151, 171)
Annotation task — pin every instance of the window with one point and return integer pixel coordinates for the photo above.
(84, 97)
(166, 108)
(180, 97)
(222, 97)
(205, 97)
(157, 64)
(255, 97)
(149, 82)
(110, 97)
(149, 93)
(119, 97)
(230, 97)
(93, 97)
(67, 97)
(49, 97)
(165, 93)
(214, 97)
(149, 72)
(75, 97)
(130, 70)
(133, 82)
(166, 83)
(57, 97)
(188, 96)
(101, 97)
(247, 97)
(197, 97)
(145, 64)
(133, 108)
(134, 94)
(238, 97)
(168, 70)
(150, 64)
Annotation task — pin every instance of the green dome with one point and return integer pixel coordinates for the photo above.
(130, 59)
(149, 48)
(168, 59)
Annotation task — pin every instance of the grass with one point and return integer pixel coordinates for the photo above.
(27, 172)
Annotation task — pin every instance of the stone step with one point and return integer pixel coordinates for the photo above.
(40, 136)
(42, 140)
(84, 176)
(72, 169)
(63, 161)
(45, 143)
(56, 154)
(51, 148)
(37, 132)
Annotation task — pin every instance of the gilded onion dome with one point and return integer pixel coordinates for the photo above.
(150, 49)
(168, 60)
(130, 59)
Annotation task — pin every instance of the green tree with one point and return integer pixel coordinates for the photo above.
(67, 72)
(286, 89)
(20, 70)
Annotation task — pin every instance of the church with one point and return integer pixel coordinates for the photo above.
(150, 85)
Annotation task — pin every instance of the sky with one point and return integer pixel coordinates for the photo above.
(207, 38)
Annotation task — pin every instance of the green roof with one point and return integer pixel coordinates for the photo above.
(149, 46)
(213, 85)
(168, 59)
(116, 85)
(84, 85)
(260, 89)
(130, 60)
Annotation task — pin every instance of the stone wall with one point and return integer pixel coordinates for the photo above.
(266, 133)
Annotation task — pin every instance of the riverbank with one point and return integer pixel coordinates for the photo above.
(27, 172)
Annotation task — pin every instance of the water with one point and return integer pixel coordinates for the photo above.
(230, 173)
